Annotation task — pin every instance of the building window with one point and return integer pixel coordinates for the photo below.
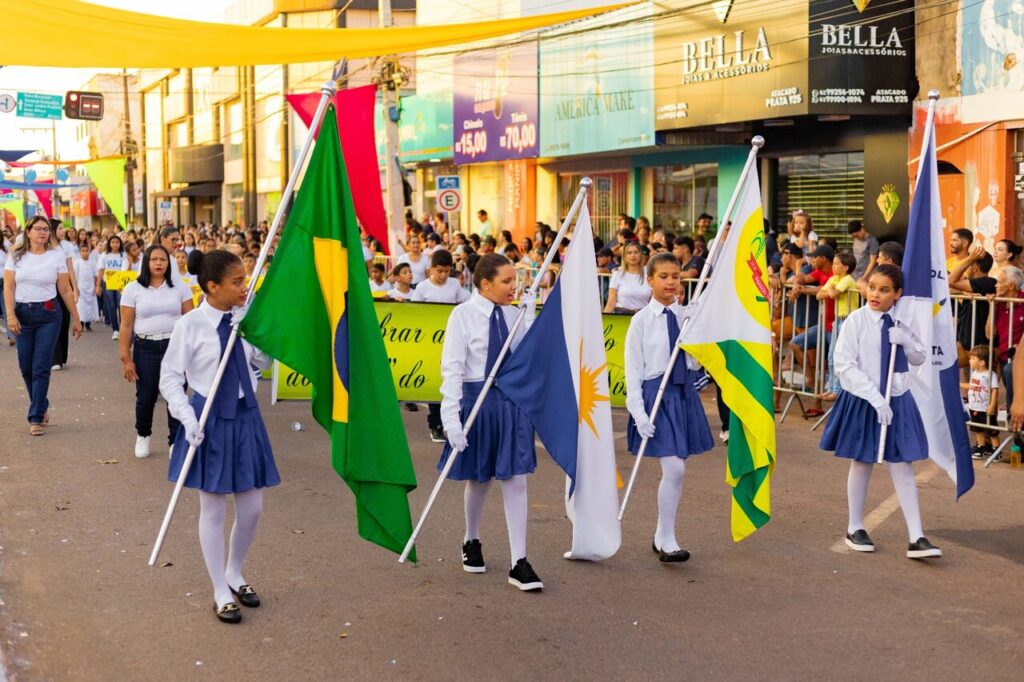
(682, 193)
(829, 187)
(609, 198)
(231, 131)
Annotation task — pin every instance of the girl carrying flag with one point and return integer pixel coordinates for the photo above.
(854, 428)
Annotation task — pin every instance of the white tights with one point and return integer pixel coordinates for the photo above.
(902, 474)
(673, 469)
(513, 494)
(212, 510)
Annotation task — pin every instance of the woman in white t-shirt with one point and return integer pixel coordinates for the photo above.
(628, 290)
(418, 263)
(150, 306)
(34, 274)
(114, 260)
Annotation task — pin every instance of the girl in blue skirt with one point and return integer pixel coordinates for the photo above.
(862, 363)
(500, 443)
(681, 427)
(233, 454)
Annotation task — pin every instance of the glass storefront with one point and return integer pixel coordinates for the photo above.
(829, 187)
(682, 193)
(609, 198)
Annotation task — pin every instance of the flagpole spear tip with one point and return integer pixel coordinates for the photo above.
(933, 94)
(758, 141)
(586, 182)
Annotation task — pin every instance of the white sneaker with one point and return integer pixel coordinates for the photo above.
(56, 368)
(115, 336)
(142, 446)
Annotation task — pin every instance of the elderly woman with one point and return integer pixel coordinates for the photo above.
(1006, 323)
(35, 272)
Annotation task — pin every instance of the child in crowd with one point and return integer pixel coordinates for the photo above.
(500, 444)
(233, 455)
(982, 402)
(681, 427)
(85, 276)
(379, 286)
(854, 427)
(438, 288)
(402, 276)
(842, 288)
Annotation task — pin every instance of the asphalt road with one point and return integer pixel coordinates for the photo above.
(78, 602)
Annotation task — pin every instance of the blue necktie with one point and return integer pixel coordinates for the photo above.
(496, 336)
(235, 373)
(901, 364)
(679, 374)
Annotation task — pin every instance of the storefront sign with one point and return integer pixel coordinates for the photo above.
(425, 129)
(495, 105)
(413, 336)
(751, 60)
(597, 87)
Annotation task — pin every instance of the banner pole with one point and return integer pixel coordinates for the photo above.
(328, 89)
(716, 246)
(585, 185)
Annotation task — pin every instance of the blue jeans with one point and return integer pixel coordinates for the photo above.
(147, 356)
(112, 305)
(39, 329)
(833, 380)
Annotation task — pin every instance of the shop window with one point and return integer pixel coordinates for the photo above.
(829, 187)
(608, 198)
(682, 193)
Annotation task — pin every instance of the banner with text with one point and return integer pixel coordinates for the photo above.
(413, 337)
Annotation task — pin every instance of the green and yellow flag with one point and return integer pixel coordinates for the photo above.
(315, 313)
(731, 337)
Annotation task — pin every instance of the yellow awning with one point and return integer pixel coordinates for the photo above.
(68, 33)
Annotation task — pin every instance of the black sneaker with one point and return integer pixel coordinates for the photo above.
(976, 452)
(859, 541)
(473, 557)
(523, 577)
(922, 549)
(437, 435)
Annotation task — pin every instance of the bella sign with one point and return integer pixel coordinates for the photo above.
(715, 57)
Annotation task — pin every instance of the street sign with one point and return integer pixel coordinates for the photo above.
(7, 103)
(447, 182)
(449, 200)
(35, 105)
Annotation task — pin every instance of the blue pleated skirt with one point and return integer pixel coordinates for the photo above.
(853, 430)
(234, 457)
(681, 427)
(500, 443)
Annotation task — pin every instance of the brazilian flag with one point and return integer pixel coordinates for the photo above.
(315, 313)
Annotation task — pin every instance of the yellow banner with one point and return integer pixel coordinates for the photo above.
(413, 337)
(117, 280)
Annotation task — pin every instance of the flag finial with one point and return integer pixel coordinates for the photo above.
(933, 94)
(586, 182)
(758, 141)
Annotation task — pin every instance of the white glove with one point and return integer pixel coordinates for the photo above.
(238, 313)
(193, 434)
(900, 337)
(456, 438)
(645, 428)
(884, 414)
(689, 312)
(529, 301)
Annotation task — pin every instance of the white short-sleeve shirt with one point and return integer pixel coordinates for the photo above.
(450, 292)
(419, 268)
(35, 275)
(156, 308)
(632, 291)
(113, 261)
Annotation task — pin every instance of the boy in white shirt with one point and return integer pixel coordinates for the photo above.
(982, 402)
(402, 274)
(439, 287)
(378, 285)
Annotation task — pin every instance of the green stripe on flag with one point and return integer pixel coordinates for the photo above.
(741, 364)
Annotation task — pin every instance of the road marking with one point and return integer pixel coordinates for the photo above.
(879, 514)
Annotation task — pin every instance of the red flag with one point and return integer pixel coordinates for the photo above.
(44, 196)
(354, 110)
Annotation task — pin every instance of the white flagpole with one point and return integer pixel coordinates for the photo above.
(585, 185)
(327, 91)
(755, 144)
(929, 133)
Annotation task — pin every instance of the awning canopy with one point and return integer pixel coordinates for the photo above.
(101, 37)
(203, 189)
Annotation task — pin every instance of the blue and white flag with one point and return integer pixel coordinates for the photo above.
(558, 376)
(926, 306)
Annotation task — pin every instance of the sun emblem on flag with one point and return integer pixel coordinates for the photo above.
(590, 392)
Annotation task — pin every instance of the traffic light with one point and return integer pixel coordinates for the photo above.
(87, 106)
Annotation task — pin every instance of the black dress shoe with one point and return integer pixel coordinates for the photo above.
(246, 595)
(859, 541)
(678, 556)
(922, 549)
(229, 613)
